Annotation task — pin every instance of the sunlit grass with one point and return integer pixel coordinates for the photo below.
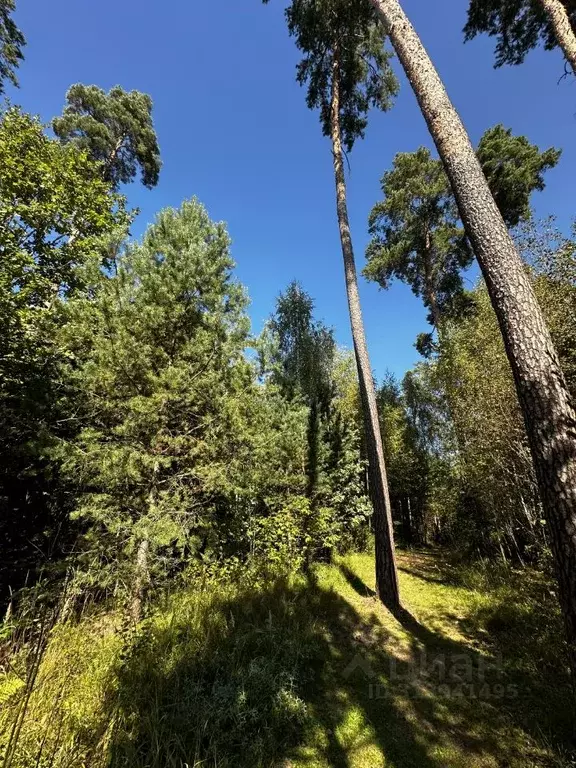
(308, 672)
(514, 718)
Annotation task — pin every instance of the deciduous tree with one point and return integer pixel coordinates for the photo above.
(48, 194)
(302, 364)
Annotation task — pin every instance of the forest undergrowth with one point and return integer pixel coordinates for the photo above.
(302, 670)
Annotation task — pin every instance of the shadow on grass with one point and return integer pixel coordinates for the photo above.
(294, 673)
(518, 681)
(423, 577)
(357, 584)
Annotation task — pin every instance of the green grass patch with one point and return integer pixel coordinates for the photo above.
(306, 672)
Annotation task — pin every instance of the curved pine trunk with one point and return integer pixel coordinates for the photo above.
(386, 574)
(563, 31)
(542, 392)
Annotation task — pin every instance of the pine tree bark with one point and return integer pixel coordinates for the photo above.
(386, 573)
(111, 159)
(542, 392)
(429, 285)
(563, 31)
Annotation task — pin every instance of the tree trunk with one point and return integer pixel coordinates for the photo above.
(544, 399)
(111, 159)
(313, 436)
(386, 575)
(430, 287)
(563, 31)
(413, 538)
(406, 518)
(140, 580)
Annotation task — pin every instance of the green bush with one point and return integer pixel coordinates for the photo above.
(212, 677)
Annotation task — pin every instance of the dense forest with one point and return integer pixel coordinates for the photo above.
(223, 545)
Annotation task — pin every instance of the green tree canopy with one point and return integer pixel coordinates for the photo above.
(55, 208)
(305, 347)
(54, 205)
(518, 26)
(158, 361)
(514, 169)
(416, 232)
(324, 28)
(11, 43)
(406, 461)
(301, 363)
(115, 128)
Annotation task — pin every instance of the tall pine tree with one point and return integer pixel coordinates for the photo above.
(347, 71)
(542, 391)
(115, 128)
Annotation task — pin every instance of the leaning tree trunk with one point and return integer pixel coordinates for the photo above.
(544, 399)
(386, 574)
(563, 31)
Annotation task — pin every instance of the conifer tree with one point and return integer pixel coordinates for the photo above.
(520, 25)
(11, 44)
(347, 71)
(541, 387)
(416, 234)
(165, 337)
(514, 169)
(115, 128)
(416, 231)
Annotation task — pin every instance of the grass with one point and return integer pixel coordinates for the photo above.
(310, 671)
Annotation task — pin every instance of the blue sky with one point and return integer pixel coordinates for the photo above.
(234, 130)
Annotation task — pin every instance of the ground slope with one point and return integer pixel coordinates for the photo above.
(308, 671)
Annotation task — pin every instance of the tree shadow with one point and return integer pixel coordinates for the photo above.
(518, 680)
(357, 584)
(295, 672)
(422, 577)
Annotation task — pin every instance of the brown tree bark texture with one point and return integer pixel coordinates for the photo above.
(562, 29)
(386, 573)
(542, 392)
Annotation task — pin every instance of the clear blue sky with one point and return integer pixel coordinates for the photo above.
(234, 131)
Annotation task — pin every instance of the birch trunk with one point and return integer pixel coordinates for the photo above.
(542, 392)
(386, 574)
